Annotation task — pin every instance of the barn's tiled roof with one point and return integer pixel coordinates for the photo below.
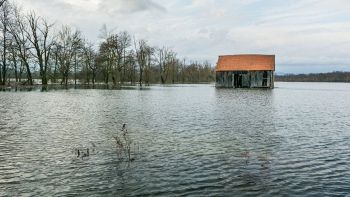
(246, 63)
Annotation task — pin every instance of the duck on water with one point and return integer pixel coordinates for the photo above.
(82, 153)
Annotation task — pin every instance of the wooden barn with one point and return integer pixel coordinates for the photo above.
(245, 71)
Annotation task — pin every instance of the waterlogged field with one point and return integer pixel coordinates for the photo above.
(191, 140)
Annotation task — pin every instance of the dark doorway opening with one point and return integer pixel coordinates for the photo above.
(264, 79)
(238, 81)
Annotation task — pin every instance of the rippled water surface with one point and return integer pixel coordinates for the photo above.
(193, 140)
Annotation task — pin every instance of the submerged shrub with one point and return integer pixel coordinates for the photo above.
(124, 145)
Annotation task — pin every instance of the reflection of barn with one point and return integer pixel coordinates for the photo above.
(245, 71)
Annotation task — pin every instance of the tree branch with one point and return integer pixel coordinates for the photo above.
(2, 2)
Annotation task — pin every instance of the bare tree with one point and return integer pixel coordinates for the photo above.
(28, 43)
(149, 64)
(39, 36)
(106, 59)
(67, 44)
(21, 42)
(125, 42)
(164, 59)
(117, 49)
(143, 56)
(78, 53)
(54, 70)
(14, 58)
(105, 54)
(89, 57)
(130, 64)
(113, 52)
(5, 23)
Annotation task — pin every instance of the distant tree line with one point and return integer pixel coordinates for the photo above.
(318, 77)
(31, 49)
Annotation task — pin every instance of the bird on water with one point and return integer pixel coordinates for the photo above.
(83, 154)
(86, 154)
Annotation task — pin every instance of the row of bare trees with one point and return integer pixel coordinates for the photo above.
(336, 76)
(26, 42)
(31, 49)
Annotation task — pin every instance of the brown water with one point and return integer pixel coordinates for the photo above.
(194, 141)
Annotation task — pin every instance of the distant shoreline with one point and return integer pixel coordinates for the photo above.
(332, 77)
(97, 86)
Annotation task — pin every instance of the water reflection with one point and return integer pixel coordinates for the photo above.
(194, 140)
(248, 121)
(56, 87)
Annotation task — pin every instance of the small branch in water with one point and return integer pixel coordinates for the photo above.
(124, 145)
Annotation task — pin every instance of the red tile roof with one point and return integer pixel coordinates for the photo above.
(246, 63)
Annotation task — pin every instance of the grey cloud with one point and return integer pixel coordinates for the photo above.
(52, 3)
(129, 6)
(304, 32)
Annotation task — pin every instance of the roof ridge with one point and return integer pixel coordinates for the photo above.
(248, 55)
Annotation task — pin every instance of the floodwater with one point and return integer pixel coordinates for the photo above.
(192, 140)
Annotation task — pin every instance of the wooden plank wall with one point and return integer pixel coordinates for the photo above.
(252, 79)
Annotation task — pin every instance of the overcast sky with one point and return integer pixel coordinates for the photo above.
(306, 35)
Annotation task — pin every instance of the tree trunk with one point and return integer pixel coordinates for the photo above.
(15, 67)
(20, 72)
(141, 72)
(42, 69)
(43, 78)
(93, 77)
(54, 78)
(0, 74)
(120, 74)
(75, 69)
(4, 69)
(13, 53)
(87, 74)
(66, 79)
(29, 74)
(106, 79)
